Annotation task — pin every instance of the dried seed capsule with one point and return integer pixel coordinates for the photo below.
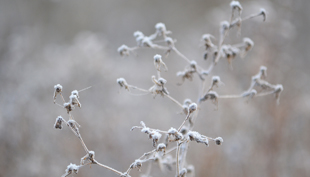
(219, 140)
(192, 107)
(123, 50)
(161, 147)
(58, 123)
(236, 5)
(57, 90)
(263, 13)
(69, 107)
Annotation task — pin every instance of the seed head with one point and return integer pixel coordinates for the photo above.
(123, 50)
(161, 147)
(263, 72)
(58, 88)
(162, 81)
(183, 172)
(72, 168)
(157, 58)
(219, 140)
(169, 41)
(224, 26)
(263, 13)
(235, 5)
(248, 43)
(122, 82)
(160, 28)
(75, 92)
(68, 106)
(187, 102)
(193, 64)
(74, 100)
(58, 123)
(192, 107)
(138, 34)
(277, 90)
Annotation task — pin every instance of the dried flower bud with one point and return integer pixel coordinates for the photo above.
(157, 58)
(74, 126)
(184, 130)
(172, 131)
(193, 64)
(190, 169)
(91, 154)
(155, 136)
(187, 102)
(161, 147)
(174, 134)
(57, 90)
(192, 107)
(161, 29)
(263, 13)
(69, 107)
(137, 164)
(88, 158)
(216, 81)
(277, 90)
(235, 51)
(58, 123)
(162, 81)
(138, 34)
(208, 43)
(212, 95)
(248, 43)
(146, 130)
(170, 42)
(122, 82)
(205, 55)
(158, 88)
(193, 135)
(74, 100)
(235, 5)
(263, 72)
(219, 140)
(158, 62)
(207, 37)
(72, 168)
(206, 142)
(75, 92)
(123, 50)
(224, 26)
(183, 172)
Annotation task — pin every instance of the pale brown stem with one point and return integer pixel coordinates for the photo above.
(107, 167)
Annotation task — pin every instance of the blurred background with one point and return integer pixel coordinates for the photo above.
(74, 43)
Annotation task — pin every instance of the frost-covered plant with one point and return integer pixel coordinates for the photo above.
(176, 138)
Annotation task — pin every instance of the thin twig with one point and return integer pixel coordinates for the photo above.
(179, 129)
(178, 151)
(107, 167)
(62, 98)
(175, 101)
(137, 88)
(85, 89)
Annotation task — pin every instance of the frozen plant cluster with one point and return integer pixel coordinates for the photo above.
(171, 146)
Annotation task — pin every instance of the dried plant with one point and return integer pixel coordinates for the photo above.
(177, 139)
